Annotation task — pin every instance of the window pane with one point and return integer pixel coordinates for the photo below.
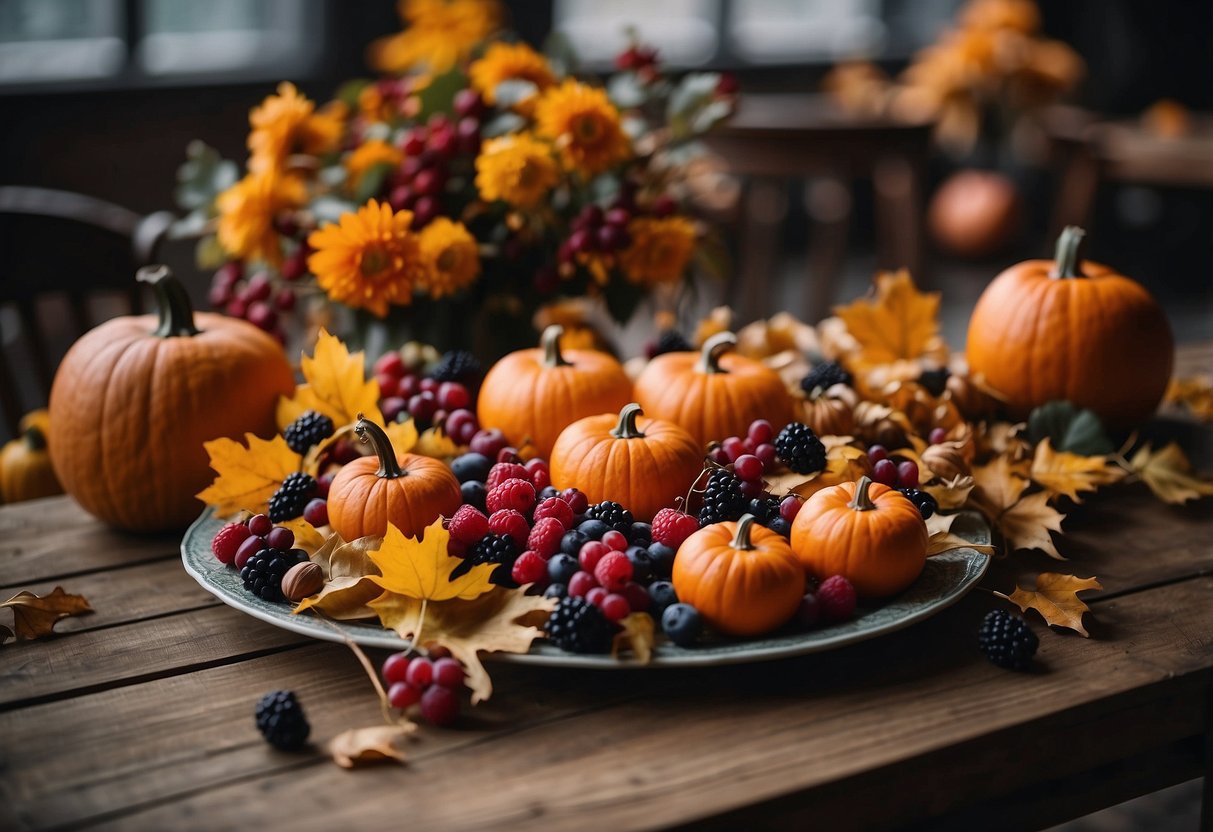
(684, 31)
(805, 30)
(44, 40)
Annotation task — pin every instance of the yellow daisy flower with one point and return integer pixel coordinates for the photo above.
(288, 123)
(450, 255)
(585, 126)
(440, 34)
(660, 249)
(247, 211)
(369, 154)
(509, 62)
(517, 169)
(368, 259)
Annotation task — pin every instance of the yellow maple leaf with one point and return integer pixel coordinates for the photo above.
(403, 435)
(335, 385)
(1025, 521)
(899, 324)
(35, 616)
(1194, 393)
(435, 443)
(1169, 474)
(1064, 474)
(248, 475)
(1056, 599)
(422, 568)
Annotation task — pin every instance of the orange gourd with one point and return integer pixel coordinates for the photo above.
(644, 464)
(869, 533)
(744, 579)
(135, 398)
(1046, 330)
(532, 395)
(713, 395)
(975, 213)
(25, 466)
(406, 490)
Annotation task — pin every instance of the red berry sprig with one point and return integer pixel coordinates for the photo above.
(435, 683)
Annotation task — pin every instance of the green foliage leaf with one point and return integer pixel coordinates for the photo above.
(693, 96)
(1069, 429)
(371, 182)
(439, 96)
(202, 177)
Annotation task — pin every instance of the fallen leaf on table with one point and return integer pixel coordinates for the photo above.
(636, 637)
(1169, 474)
(899, 324)
(999, 484)
(349, 569)
(1194, 393)
(365, 746)
(335, 385)
(35, 617)
(1025, 521)
(247, 475)
(1056, 599)
(1071, 429)
(421, 568)
(1065, 474)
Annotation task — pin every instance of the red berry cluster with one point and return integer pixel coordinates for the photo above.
(235, 543)
(595, 231)
(892, 470)
(429, 150)
(435, 681)
(750, 457)
(405, 391)
(257, 300)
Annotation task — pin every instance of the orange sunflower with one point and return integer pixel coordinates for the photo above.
(509, 62)
(247, 211)
(439, 34)
(450, 255)
(368, 259)
(288, 123)
(585, 126)
(660, 249)
(517, 169)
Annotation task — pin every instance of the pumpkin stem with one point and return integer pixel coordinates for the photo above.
(176, 311)
(550, 341)
(389, 467)
(626, 429)
(862, 502)
(713, 348)
(741, 538)
(1069, 243)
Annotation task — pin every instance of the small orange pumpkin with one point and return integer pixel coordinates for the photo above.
(975, 213)
(645, 465)
(869, 533)
(25, 466)
(135, 399)
(744, 579)
(532, 395)
(712, 395)
(406, 490)
(1046, 330)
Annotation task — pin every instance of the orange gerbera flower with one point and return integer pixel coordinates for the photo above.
(585, 126)
(440, 34)
(369, 154)
(288, 123)
(247, 211)
(660, 249)
(368, 259)
(509, 62)
(517, 169)
(450, 255)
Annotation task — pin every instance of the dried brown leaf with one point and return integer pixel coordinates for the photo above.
(349, 589)
(367, 746)
(1056, 599)
(1169, 474)
(35, 617)
(1026, 525)
(1065, 474)
(636, 637)
(951, 494)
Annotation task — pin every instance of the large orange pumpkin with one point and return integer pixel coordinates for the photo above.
(713, 395)
(743, 578)
(135, 398)
(532, 395)
(406, 490)
(869, 533)
(644, 464)
(1046, 330)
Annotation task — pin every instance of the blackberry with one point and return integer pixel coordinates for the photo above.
(670, 340)
(308, 430)
(456, 365)
(291, 497)
(578, 626)
(800, 449)
(923, 501)
(825, 375)
(263, 571)
(281, 721)
(1007, 641)
(764, 509)
(493, 549)
(935, 381)
(613, 514)
(722, 500)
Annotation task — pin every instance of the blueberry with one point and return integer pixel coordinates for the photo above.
(681, 622)
(593, 529)
(562, 567)
(547, 493)
(639, 532)
(663, 559)
(663, 595)
(470, 467)
(572, 542)
(780, 526)
(474, 493)
(556, 591)
(642, 564)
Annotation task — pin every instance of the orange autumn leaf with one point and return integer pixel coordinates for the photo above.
(35, 617)
(1056, 599)
(335, 384)
(1025, 521)
(365, 746)
(1169, 475)
(248, 475)
(1195, 394)
(899, 324)
(1065, 474)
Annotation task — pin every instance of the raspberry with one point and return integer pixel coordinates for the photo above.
(468, 525)
(529, 568)
(503, 471)
(557, 508)
(615, 607)
(671, 527)
(595, 596)
(592, 552)
(836, 599)
(613, 571)
(510, 522)
(545, 536)
(581, 583)
(518, 494)
(228, 540)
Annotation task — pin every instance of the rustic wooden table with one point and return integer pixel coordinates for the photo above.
(140, 715)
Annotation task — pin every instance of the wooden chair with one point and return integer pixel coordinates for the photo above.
(66, 244)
